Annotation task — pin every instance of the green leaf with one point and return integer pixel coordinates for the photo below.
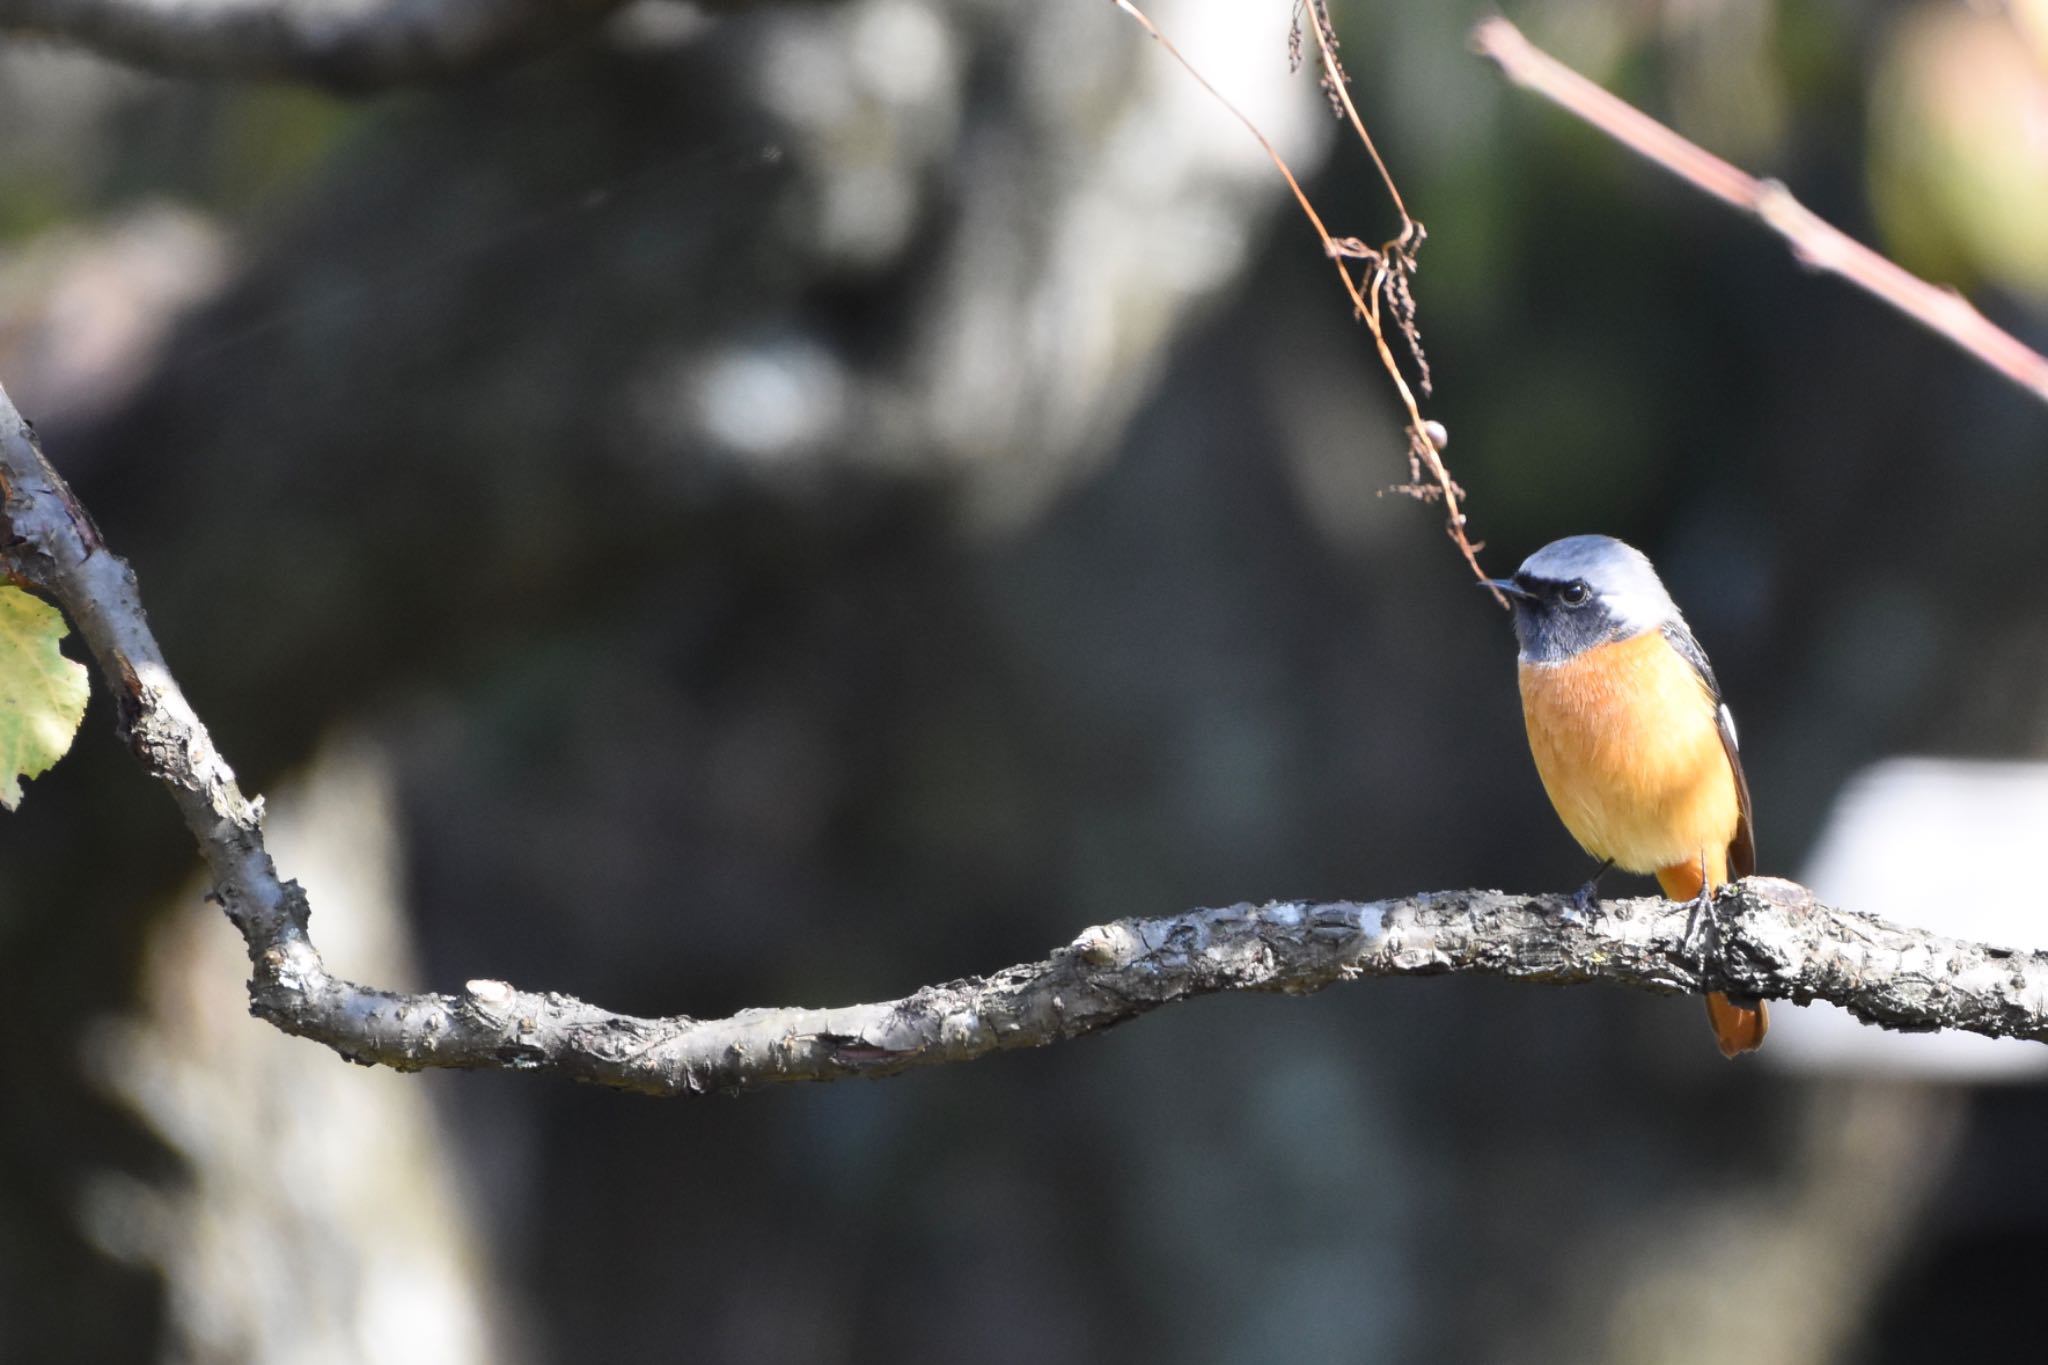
(42, 693)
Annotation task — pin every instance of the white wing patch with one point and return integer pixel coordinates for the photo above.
(1728, 726)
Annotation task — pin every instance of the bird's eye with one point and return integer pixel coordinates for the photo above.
(1575, 593)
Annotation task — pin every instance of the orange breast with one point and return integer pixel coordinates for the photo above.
(1626, 741)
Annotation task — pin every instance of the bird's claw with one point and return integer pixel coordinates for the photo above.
(1586, 899)
(1702, 928)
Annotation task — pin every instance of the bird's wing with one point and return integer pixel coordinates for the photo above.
(1742, 848)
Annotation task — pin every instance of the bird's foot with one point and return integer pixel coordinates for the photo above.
(1702, 928)
(1586, 899)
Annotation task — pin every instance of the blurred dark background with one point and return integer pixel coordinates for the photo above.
(788, 503)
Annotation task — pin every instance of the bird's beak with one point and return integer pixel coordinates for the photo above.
(1508, 586)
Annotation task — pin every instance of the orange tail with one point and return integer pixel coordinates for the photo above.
(1737, 1028)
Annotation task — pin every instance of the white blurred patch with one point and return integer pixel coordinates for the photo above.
(1940, 844)
(85, 310)
(1242, 51)
(656, 26)
(901, 53)
(869, 92)
(767, 403)
(320, 1215)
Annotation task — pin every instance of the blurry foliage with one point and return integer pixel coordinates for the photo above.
(1959, 145)
(273, 141)
(84, 141)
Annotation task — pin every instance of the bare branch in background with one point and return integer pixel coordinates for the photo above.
(1775, 939)
(1817, 244)
(343, 44)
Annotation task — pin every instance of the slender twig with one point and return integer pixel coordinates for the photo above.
(1814, 242)
(1340, 88)
(1775, 940)
(1390, 265)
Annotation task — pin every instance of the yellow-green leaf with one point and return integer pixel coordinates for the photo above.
(42, 693)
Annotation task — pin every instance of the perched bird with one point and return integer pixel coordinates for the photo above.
(1631, 737)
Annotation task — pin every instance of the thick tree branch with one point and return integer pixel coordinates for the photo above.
(1775, 939)
(343, 44)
